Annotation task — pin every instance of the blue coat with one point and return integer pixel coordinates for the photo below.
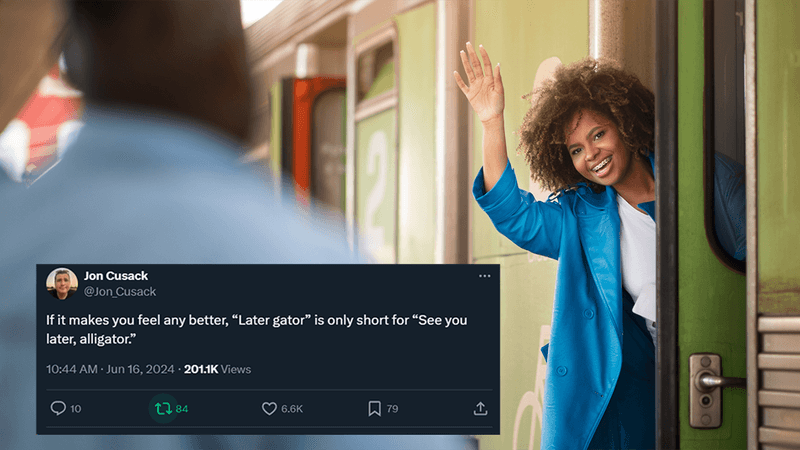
(585, 358)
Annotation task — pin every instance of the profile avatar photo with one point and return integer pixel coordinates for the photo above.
(62, 283)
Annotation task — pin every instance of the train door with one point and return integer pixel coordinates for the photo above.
(718, 326)
(701, 307)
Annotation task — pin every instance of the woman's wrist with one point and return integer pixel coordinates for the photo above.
(494, 151)
(493, 123)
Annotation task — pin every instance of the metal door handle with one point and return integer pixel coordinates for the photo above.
(705, 389)
(709, 382)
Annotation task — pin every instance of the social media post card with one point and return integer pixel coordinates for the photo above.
(268, 349)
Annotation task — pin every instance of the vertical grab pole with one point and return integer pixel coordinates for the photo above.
(666, 139)
(752, 223)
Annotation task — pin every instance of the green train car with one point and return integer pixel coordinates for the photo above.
(395, 151)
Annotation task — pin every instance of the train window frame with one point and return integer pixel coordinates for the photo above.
(715, 99)
(389, 98)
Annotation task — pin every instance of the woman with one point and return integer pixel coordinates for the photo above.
(588, 138)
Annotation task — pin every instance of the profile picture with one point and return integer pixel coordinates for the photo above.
(62, 283)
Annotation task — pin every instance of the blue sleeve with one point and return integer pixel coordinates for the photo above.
(729, 206)
(532, 225)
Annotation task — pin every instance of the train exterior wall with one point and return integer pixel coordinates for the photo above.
(778, 100)
(775, 313)
(275, 126)
(520, 34)
(376, 169)
(416, 200)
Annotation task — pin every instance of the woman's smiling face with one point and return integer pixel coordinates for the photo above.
(596, 149)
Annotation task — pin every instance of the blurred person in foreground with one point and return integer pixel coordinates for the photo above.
(152, 177)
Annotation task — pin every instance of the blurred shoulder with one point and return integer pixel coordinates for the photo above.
(135, 190)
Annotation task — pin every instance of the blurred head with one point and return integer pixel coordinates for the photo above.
(586, 91)
(32, 36)
(62, 283)
(181, 56)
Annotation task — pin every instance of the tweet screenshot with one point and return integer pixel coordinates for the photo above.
(267, 349)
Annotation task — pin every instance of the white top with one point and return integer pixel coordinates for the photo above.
(638, 260)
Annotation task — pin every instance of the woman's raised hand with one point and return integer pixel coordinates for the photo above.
(485, 94)
(485, 90)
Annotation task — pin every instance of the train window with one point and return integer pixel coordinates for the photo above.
(376, 71)
(724, 129)
(327, 149)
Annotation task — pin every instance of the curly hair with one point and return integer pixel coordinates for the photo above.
(588, 84)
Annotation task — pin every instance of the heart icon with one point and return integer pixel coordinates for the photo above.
(269, 407)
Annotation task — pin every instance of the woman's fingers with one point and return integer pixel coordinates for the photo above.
(487, 65)
(476, 63)
(460, 83)
(485, 89)
(479, 77)
(467, 67)
(498, 80)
